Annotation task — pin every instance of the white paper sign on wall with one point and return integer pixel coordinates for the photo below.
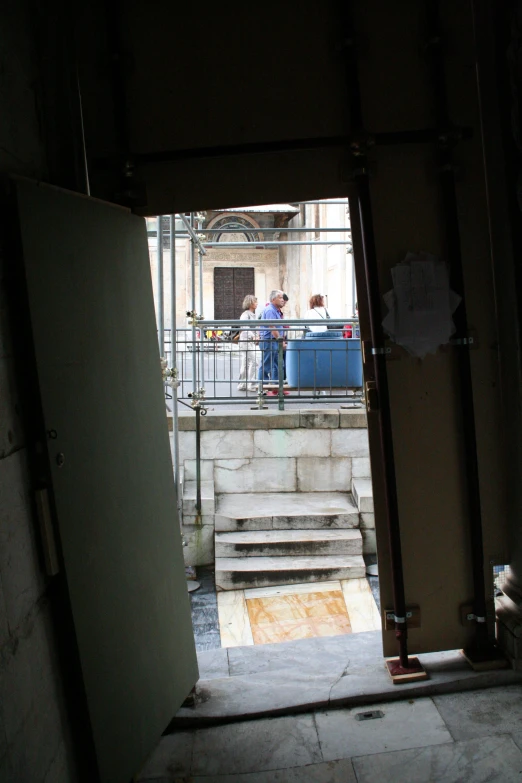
(420, 304)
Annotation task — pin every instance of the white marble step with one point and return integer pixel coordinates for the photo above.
(236, 573)
(255, 543)
(286, 511)
(208, 502)
(363, 494)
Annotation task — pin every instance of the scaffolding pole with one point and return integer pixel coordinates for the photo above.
(264, 230)
(161, 319)
(262, 244)
(190, 229)
(173, 347)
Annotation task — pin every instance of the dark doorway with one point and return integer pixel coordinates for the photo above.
(231, 285)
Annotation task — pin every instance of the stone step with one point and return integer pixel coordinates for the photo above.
(208, 503)
(255, 543)
(237, 573)
(286, 511)
(363, 494)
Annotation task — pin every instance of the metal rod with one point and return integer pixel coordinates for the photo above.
(193, 308)
(161, 319)
(286, 230)
(297, 398)
(173, 345)
(201, 331)
(198, 461)
(414, 136)
(82, 130)
(280, 374)
(190, 229)
(259, 323)
(194, 362)
(371, 268)
(255, 245)
(385, 426)
(454, 255)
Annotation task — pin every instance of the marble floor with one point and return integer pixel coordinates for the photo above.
(470, 737)
(203, 604)
(270, 615)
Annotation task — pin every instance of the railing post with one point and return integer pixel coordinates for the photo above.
(198, 461)
(280, 373)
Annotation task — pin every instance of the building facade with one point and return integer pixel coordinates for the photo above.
(249, 261)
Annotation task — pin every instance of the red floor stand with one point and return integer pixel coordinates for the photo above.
(414, 672)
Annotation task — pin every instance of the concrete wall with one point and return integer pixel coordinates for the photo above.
(35, 743)
(325, 269)
(294, 451)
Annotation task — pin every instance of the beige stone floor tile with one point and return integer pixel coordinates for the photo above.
(234, 623)
(484, 760)
(267, 592)
(362, 609)
(286, 618)
(257, 745)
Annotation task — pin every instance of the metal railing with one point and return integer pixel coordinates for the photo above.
(240, 362)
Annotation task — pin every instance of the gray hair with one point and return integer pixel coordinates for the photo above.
(249, 300)
(274, 293)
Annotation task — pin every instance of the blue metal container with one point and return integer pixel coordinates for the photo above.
(324, 360)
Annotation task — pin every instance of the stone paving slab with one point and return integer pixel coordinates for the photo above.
(485, 760)
(256, 746)
(405, 724)
(482, 712)
(240, 420)
(342, 671)
(327, 772)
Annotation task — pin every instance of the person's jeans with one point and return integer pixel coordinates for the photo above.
(268, 369)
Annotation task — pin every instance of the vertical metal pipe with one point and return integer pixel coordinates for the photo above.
(193, 308)
(195, 370)
(84, 146)
(173, 347)
(201, 331)
(454, 255)
(280, 373)
(198, 460)
(159, 303)
(377, 341)
(385, 425)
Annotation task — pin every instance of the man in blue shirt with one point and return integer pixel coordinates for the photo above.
(268, 369)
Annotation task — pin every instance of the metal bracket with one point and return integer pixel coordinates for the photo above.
(43, 510)
(372, 397)
(198, 400)
(468, 616)
(381, 351)
(412, 619)
(194, 318)
(472, 616)
(463, 341)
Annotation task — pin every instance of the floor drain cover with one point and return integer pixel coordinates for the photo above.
(370, 715)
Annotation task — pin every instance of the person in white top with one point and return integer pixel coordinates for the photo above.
(248, 339)
(317, 311)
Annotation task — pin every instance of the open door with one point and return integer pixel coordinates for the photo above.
(92, 314)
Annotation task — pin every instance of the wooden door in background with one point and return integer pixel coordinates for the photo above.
(231, 285)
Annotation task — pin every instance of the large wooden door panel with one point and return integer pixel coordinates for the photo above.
(92, 314)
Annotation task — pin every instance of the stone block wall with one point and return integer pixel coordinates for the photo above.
(35, 736)
(270, 451)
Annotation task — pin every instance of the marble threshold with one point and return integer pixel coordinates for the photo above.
(243, 683)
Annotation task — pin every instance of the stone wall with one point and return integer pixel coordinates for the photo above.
(35, 742)
(265, 451)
